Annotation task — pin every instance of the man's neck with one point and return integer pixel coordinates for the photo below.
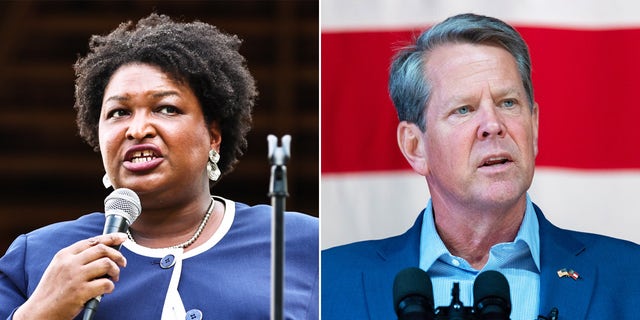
(470, 233)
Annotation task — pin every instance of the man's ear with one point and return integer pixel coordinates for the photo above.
(535, 118)
(411, 143)
(215, 136)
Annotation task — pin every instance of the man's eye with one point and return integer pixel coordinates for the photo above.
(508, 103)
(463, 110)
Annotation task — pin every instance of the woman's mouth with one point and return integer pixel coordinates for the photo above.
(143, 156)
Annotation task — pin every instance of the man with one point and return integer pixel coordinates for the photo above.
(469, 125)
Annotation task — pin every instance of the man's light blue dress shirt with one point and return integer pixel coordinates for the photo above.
(518, 261)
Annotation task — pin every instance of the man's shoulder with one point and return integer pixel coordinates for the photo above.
(361, 246)
(586, 244)
(350, 270)
(602, 245)
(361, 253)
(606, 252)
(355, 251)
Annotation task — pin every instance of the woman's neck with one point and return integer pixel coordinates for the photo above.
(169, 225)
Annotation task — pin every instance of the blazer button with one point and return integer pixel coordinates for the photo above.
(194, 314)
(168, 261)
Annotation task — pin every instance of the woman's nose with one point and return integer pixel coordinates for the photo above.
(140, 127)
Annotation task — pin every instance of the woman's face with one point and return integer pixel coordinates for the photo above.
(152, 132)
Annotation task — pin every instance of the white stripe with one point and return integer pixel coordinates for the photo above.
(376, 205)
(602, 202)
(341, 15)
(369, 206)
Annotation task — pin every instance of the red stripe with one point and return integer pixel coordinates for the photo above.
(584, 83)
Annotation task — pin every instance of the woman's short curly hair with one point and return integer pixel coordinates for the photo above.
(195, 53)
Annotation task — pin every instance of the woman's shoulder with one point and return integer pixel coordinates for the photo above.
(68, 232)
(41, 244)
(258, 217)
(265, 212)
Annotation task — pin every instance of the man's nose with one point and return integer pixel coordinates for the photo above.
(491, 122)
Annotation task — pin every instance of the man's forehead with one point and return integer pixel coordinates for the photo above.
(457, 69)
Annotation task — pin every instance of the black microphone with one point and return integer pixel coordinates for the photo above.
(491, 297)
(121, 208)
(413, 295)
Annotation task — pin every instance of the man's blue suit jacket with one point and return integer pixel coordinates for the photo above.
(357, 279)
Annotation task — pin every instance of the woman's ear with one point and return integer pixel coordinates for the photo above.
(411, 143)
(215, 135)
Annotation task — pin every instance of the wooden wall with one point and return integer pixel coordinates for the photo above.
(48, 174)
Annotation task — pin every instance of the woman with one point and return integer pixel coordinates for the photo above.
(168, 106)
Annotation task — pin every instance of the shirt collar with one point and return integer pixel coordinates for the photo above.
(432, 247)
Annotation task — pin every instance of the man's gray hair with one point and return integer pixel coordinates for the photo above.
(408, 86)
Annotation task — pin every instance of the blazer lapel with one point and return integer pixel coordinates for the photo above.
(559, 250)
(394, 254)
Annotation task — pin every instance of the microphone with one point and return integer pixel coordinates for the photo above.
(413, 295)
(121, 208)
(491, 297)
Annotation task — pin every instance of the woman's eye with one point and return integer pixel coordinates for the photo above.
(463, 110)
(169, 110)
(117, 113)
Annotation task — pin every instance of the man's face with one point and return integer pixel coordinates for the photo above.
(481, 135)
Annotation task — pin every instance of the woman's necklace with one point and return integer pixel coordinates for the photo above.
(195, 235)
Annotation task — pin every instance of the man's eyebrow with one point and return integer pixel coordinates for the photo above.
(509, 91)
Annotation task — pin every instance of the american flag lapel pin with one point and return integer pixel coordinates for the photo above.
(569, 273)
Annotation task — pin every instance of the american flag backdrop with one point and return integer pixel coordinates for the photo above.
(586, 75)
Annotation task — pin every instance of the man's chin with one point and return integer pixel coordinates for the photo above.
(501, 194)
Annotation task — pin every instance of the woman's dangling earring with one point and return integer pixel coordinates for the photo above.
(106, 181)
(212, 165)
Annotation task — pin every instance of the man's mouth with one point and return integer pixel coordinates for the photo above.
(495, 161)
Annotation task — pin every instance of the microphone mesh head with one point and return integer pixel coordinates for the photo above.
(491, 287)
(412, 282)
(123, 202)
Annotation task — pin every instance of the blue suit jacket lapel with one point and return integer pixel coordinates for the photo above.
(395, 254)
(558, 250)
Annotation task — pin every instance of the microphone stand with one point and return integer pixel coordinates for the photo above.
(278, 157)
(456, 310)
